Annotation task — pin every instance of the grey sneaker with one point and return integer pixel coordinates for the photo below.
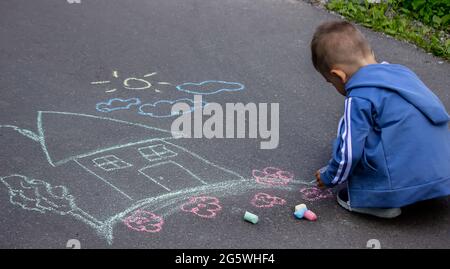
(387, 213)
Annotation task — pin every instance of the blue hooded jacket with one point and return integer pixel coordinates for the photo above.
(393, 144)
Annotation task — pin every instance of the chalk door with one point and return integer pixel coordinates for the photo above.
(171, 176)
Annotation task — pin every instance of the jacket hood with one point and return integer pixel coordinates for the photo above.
(405, 83)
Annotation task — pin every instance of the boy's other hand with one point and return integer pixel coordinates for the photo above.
(319, 182)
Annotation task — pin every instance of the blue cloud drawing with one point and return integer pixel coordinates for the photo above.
(163, 108)
(210, 87)
(117, 104)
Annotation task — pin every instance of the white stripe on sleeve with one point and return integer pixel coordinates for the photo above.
(341, 163)
(340, 126)
(349, 143)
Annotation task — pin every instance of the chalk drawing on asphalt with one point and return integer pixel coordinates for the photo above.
(202, 206)
(315, 193)
(117, 104)
(145, 82)
(266, 200)
(272, 176)
(144, 221)
(136, 164)
(210, 87)
(163, 108)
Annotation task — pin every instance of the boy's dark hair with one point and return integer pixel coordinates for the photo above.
(337, 42)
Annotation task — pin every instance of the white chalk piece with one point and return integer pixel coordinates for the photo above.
(300, 206)
(251, 217)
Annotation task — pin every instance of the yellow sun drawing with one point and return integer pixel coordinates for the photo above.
(133, 83)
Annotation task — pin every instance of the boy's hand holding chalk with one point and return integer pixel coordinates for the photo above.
(319, 181)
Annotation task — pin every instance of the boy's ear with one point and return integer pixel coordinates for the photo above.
(340, 74)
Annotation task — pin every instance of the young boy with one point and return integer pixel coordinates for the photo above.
(393, 143)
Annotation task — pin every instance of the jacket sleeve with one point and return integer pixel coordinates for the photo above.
(349, 145)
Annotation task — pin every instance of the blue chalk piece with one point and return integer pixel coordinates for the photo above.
(299, 213)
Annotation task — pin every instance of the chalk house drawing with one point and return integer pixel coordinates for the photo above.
(134, 165)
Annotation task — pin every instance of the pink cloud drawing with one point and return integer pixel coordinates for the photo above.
(272, 176)
(266, 200)
(202, 206)
(315, 193)
(144, 221)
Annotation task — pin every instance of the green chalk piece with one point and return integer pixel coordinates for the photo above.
(251, 217)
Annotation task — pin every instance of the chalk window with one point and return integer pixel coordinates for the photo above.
(110, 163)
(156, 152)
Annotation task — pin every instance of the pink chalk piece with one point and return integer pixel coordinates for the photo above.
(315, 193)
(144, 221)
(272, 176)
(266, 200)
(309, 215)
(202, 206)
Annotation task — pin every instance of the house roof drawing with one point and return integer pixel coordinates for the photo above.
(66, 136)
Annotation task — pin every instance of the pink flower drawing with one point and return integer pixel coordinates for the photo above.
(272, 176)
(266, 200)
(314, 193)
(144, 221)
(202, 206)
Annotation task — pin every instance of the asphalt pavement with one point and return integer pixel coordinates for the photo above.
(87, 152)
